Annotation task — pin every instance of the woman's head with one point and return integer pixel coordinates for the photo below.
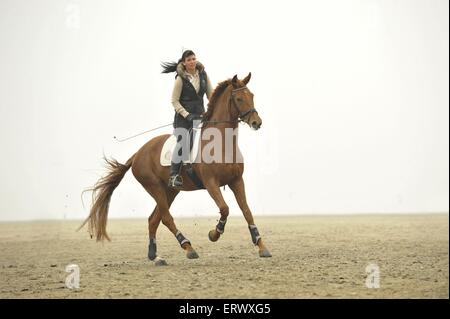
(186, 54)
(189, 60)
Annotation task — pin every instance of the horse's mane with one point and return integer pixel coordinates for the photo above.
(214, 97)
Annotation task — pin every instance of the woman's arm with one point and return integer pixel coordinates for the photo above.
(176, 93)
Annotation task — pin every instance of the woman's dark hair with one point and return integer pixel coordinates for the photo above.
(169, 67)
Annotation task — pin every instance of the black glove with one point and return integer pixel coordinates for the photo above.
(192, 117)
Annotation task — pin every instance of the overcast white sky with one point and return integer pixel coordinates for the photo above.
(353, 96)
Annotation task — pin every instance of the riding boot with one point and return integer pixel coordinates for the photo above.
(175, 179)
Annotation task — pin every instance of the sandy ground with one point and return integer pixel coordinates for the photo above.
(313, 257)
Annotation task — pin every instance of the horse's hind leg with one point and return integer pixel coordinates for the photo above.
(153, 223)
(162, 197)
(238, 189)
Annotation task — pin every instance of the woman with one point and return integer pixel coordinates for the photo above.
(191, 84)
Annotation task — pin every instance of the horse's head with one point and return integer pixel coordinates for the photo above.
(242, 100)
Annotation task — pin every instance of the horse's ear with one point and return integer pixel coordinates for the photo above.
(234, 80)
(247, 78)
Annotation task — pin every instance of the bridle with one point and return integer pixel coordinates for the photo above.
(234, 103)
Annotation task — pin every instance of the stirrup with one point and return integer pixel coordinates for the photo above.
(175, 181)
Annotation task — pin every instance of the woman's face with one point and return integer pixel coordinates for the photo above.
(190, 62)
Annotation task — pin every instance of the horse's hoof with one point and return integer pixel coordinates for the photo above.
(212, 237)
(264, 253)
(192, 254)
(160, 262)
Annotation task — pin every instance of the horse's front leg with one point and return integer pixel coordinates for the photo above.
(213, 189)
(238, 188)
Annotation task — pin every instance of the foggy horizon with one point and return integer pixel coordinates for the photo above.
(353, 96)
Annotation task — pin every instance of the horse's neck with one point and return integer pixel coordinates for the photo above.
(223, 113)
(224, 127)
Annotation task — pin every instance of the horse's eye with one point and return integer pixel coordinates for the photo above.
(239, 99)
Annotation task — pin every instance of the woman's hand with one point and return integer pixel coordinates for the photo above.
(192, 117)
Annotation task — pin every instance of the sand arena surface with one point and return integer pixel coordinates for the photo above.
(313, 257)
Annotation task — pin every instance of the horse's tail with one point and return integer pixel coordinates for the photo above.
(101, 196)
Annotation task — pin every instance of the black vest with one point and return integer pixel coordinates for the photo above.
(191, 100)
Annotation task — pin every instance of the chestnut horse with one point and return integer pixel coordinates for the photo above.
(230, 103)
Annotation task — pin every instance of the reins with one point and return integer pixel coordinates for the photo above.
(232, 102)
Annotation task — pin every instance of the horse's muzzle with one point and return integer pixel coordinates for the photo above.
(255, 125)
(254, 121)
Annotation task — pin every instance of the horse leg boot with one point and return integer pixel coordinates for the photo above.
(153, 223)
(238, 189)
(215, 193)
